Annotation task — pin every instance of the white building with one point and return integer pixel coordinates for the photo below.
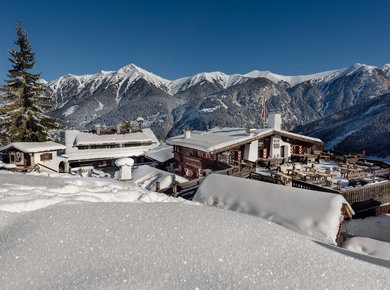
(44, 156)
(99, 150)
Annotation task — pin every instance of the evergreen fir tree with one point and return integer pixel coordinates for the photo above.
(22, 117)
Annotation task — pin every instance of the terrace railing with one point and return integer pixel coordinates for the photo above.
(378, 191)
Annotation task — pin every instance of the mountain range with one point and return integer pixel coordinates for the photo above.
(337, 106)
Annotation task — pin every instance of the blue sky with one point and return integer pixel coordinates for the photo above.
(179, 38)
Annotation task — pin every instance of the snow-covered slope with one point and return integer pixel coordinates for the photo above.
(294, 80)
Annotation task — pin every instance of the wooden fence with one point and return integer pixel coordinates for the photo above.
(310, 186)
(377, 191)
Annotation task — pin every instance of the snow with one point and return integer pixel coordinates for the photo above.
(210, 110)
(294, 80)
(161, 153)
(223, 105)
(108, 153)
(315, 214)
(146, 135)
(218, 138)
(358, 67)
(146, 177)
(124, 162)
(374, 227)
(70, 111)
(148, 246)
(20, 193)
(100, 106)
(112, 235)
(369, 247)
(215, 138)
(219, 78)
(331, 145)
(34, 147)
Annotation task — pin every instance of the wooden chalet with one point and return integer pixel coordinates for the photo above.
(39, 156)
(197, 152)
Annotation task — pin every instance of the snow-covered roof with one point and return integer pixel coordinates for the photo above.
(108, 153)
(146, 135)
(146, 177)
(218, 138)
(315, 214)
(299, 136)
(160, 153)
(34, 147)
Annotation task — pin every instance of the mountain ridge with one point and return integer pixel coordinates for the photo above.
(210, 99)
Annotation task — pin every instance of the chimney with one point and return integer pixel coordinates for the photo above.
(98, 129)
(118, 128)
(250, 131)
(140, 121)
(187, 133)
(275, 121)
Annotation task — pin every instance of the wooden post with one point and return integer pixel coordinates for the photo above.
(157, 186)
(174, 190)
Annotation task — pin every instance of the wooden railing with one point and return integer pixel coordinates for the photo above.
(41, 165)
(309, 186)
(265, 178)
(367, 192)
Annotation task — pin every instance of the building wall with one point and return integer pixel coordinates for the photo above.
(53, 163)
(16, 157)
(251, 151)
(276, 147)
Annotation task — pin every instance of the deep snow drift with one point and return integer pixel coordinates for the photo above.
(91, 233)
(168, 246)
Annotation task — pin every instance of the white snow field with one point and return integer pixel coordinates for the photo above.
(369, 247)
(374, 227)
(26, 192)
(132, 244)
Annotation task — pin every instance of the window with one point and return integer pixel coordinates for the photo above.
(15, 157)
(46, 156)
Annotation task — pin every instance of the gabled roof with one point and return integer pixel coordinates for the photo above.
(107, 153)
(146, 135)
(160, 153)
(216, 138)
(219, 138)
(34, 147)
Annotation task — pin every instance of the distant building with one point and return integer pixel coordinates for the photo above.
(42, 156)
(101, 150)
(196, 151)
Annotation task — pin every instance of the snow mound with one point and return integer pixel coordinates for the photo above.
(146, 177)
(20, 192)
(312, 213)
(369, 247)
(147, 246)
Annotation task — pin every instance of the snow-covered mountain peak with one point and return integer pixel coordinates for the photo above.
(293, 80)
(218, 78)
(134, 72)
(358, 67)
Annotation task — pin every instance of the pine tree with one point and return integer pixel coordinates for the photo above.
(22, 117)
